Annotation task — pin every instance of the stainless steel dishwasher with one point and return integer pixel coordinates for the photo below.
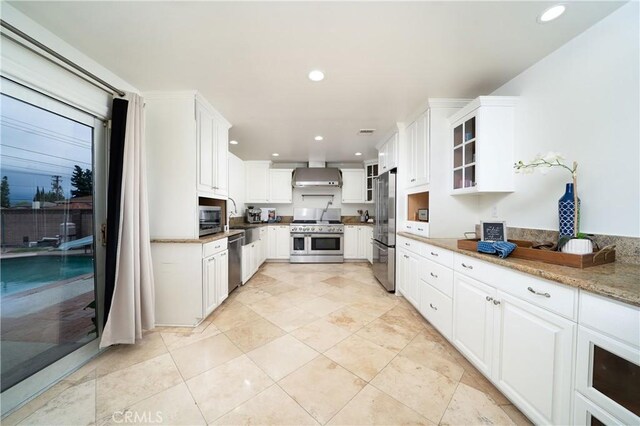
(235, 261)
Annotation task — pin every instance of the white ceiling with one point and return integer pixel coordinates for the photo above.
(250, 59)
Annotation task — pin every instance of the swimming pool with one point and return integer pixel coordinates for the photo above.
(25, 273)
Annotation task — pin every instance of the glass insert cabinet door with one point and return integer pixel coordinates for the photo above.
(49, 262)
(464, 154)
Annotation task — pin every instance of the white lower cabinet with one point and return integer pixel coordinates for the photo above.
(251, 255)
(357, 242)
(436, 307)
(216, 280)
(278, 242)
(473, 311)
(407, 275)
(533, 359)
(525, 350)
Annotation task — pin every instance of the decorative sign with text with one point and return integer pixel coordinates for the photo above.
(493, 231)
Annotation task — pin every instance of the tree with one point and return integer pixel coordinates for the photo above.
(4, 193)
(57, 193)
(82, 181)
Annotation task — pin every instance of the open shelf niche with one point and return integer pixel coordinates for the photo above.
(415, 202)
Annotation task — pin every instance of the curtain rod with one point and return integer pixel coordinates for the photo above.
(114, 90)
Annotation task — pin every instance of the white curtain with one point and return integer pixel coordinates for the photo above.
(132, 307)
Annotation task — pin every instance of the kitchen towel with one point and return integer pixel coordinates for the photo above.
(502, 248)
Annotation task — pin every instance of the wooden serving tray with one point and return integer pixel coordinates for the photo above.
(525, 251)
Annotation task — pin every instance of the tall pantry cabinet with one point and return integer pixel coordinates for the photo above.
(187, 158)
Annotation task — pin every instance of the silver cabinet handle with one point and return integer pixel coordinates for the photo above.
(433, 307)
(467, 266)
(413, 180)
(420, 229)
(433, 275)
(538, 292)
(217, 247)
(434, 254)
(496, 302)
(405, 256)
(408, 227)
(489, 298)
(407, 244)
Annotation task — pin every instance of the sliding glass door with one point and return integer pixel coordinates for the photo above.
(51, 260)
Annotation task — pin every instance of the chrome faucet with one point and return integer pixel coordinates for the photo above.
(329, 203)
(235, 208)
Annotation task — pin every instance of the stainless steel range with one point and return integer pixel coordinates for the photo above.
(317, 236)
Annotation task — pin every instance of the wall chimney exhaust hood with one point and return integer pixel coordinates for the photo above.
(306, 177)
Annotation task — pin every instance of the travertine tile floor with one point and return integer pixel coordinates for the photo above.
(298, 345)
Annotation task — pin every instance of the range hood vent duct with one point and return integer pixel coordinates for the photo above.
(307, 177)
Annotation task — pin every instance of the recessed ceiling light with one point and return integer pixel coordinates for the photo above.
(358, 153)
(318, 138)
(551, 13)
(316, 75)
(275, 154)
(233, 142)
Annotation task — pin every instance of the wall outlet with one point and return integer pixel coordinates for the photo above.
(494, 211)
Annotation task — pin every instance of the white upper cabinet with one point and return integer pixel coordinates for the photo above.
(353, 185)
(257, 181)
(212, 136)
(417, 153)
(267, 185)
(482, 142)
(280, 190)
(388, 154)
(183, 133)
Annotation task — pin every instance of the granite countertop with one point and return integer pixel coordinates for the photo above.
(359, 224)
(619, 281)
(203, 240)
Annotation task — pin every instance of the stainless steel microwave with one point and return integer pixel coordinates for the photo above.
(210, 219)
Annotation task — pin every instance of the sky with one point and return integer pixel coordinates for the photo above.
(36, 144)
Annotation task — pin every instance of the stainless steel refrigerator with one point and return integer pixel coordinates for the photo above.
(384, 233)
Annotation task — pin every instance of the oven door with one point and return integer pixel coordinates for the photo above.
(299, 244)
(325, 244)
(608, 374)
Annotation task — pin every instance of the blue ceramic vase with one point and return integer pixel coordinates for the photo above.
(566, 209)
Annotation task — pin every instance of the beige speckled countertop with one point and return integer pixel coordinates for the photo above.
(360, 224)
(203, 240)
(619, 281)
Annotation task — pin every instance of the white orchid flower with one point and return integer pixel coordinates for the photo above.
(553, 157)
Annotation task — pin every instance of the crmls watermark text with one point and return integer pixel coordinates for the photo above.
(132, 417)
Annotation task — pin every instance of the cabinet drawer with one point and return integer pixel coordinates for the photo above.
(411, 245)
(438, 276)
(209, 249)
(417, 228)
(614, 318)
(437, 254)
(436, 308)
(546, 294)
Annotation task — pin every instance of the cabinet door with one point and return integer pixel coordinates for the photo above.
(392, 153)
(280, 186)
(246, 263)
(257, 183)
(368, 245)
(421, 172)
(362, 236)
(411, 160)
(413, 290)
(534, 359)
(350, 242)
(264, 244)
(209, 285)
(353, 185)
(473, 311)
(401, 271)
(282, 243)
(256, 249)
(222, 276)
(221, 173)
(272, 238)
(382, 160)
(206, 154)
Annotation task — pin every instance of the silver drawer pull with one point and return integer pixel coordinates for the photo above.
(496, 302)
(467, 266)
(217, 246)
(408, 227)
(413, 180)
(405, 256)
(407, 244)
(420, 229)
(434, 254)
(433, 275)
(433, 307)
(489, 298)
(538, 293)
